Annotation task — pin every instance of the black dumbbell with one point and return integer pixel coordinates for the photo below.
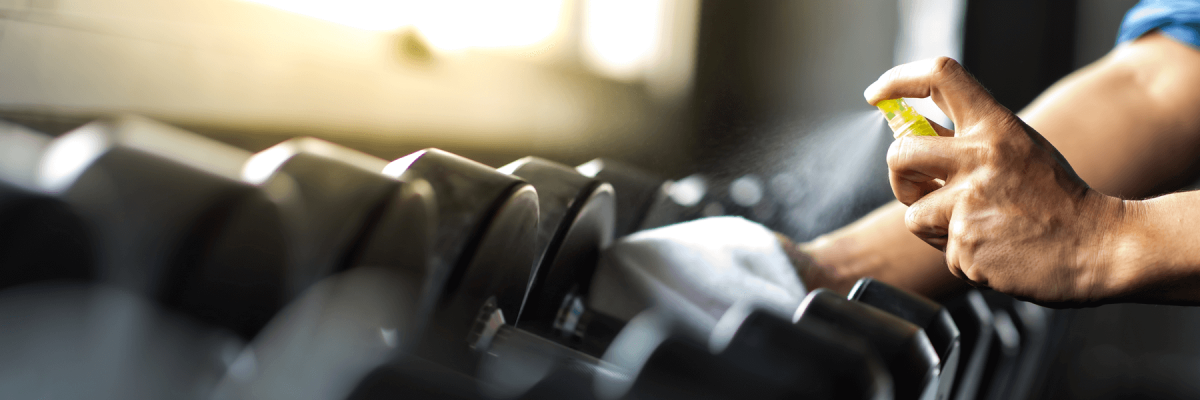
(482, 256)
(482, 249)
(171, 218)
(682, 200)
(937, 323)
(41, 238)
(754, 354)
(72, 340)
(1001, 357)
(330, 197)
(331, 338)
(975, 322)
(1022, 331)
(904, 347)
(577, 217)
(636, 191)
(1040, 331)
(374, 306)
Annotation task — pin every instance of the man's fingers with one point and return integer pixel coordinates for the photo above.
(960, 257)
(929, 218)
(942, 79)
(914, 162)
(909, 189)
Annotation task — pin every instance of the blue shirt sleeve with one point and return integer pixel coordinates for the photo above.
(1179, 19)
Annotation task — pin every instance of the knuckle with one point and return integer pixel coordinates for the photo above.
(974, 274)
(894, 73)
(953, 262)
(945, 66)
(966, 240)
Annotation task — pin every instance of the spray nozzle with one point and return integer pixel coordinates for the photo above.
(904, 120)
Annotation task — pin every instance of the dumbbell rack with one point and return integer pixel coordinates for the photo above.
(138, 260)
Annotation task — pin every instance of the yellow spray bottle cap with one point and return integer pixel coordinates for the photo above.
(904, 120)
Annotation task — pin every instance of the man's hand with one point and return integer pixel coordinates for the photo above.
(997, 197)
(812, 272)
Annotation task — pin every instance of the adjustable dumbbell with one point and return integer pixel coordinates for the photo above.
(171, 219)
(904, 347)
(577, 217)
(975, 322)
(368, 238)
(931, 317)
(41, 238)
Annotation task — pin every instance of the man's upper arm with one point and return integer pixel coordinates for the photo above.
(1129, 123)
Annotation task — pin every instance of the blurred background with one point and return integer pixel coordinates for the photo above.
(760, 100)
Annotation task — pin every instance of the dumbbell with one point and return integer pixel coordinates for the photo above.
(931, 317)
(636, 191)
(171, 219)
(482, 260)
(1022, 333)
(753, 354)
(331, 338)
(41, 238)
(1002, 356)
(975, 322)
(905, 349)
(331, 199)
(642, 359)
(74, 340)
(483, 249)
(368, 237)
(478, 250)
(1039, 335)
(682, 200)
(22, 149)
(577, 217)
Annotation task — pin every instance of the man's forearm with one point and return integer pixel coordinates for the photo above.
(1129, 124)
(1157, 251)
(879, 246)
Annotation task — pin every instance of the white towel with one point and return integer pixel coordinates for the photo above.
(696, 270)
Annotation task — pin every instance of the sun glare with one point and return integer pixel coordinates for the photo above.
(450, 24)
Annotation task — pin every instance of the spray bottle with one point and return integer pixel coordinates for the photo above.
(904, 120)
